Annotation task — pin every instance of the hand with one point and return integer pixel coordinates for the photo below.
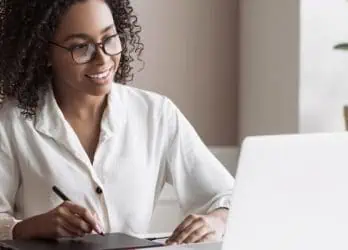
(200, 228)
(67, 220)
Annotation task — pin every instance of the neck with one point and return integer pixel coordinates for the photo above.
(80, 105)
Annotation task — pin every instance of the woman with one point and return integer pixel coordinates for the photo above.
(67, 121)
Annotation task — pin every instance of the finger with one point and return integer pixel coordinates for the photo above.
(210, 237)
(96, 218)
(71, 229)
(195, 230)
(100, 228)
(72, 221)
(182, 235)
(84, 214)
(186, 222)
(195, 235)
(62, 232)
(179, 229)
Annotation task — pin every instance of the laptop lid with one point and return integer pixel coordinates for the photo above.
(291, 193)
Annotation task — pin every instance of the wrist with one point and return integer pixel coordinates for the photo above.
(220, 213)
(220, 216)
(17, 230)
(25, 229)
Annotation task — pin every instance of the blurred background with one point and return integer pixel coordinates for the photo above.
(238, 68)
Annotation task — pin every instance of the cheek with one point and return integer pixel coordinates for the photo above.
(66, 69)
(116, 60)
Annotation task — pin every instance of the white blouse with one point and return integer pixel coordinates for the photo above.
(144, 142)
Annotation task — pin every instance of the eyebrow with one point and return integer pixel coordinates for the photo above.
(86, 36)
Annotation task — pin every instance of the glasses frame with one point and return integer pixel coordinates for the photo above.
(100, 45)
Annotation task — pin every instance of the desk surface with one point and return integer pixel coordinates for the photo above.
(199, 246)
(206, 246)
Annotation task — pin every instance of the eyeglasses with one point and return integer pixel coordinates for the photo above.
(86, 52)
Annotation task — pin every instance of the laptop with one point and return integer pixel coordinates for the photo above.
(291, 193)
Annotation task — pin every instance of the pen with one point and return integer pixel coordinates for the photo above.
(157, 238)
(65, 198)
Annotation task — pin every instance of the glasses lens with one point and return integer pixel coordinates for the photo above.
(113, 45)
(83, 53)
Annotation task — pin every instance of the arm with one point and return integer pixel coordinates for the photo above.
(202, 184)
(9, 184)
(59, 222)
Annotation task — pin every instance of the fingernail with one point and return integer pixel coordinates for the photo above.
(169, 242)
(98, 229)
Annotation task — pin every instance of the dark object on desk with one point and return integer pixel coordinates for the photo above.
(157, 238)
(114, 241)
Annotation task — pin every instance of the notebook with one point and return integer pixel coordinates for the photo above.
(90, 242)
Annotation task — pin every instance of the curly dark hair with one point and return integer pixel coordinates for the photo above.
(26, 26)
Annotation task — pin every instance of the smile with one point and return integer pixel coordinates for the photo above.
(101, 75)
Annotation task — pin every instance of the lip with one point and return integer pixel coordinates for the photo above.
(102, 81)
(100, 71)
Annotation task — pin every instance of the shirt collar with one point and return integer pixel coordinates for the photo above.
(115, 113)
(51, 121)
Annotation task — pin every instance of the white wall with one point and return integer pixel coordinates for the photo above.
(324, 71)
(269, 67)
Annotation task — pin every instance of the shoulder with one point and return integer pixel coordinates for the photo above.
(10, 118)
(10, 114)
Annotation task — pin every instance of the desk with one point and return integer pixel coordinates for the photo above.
(110, 241)
(197, 246)
(206, 246)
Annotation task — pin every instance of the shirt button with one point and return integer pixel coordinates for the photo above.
(99, 190)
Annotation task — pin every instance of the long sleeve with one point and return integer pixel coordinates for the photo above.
(201, 182)
(9, 183)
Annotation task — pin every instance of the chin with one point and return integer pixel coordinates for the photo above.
(100, 90)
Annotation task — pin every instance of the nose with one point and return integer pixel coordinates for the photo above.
(100, 57)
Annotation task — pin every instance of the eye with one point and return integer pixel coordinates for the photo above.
(81, 46)
(111, 39)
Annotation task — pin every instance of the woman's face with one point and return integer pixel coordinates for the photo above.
(83, 25)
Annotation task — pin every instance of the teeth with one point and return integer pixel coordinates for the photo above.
(100, 76)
